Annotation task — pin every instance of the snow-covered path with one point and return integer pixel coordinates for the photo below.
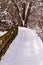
(26, 49)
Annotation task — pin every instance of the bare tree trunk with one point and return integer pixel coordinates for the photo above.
(28, 13)
(19, 16)
(23, 18)
(23, 15)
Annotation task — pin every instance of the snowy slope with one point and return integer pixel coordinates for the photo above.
(26, 49)
(2, 33)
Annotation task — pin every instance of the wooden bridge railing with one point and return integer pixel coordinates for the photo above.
(7, 38)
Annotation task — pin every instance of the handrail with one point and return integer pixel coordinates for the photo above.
(8, 38)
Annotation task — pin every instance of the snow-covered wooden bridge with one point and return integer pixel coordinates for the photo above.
(26, 49)
(6, 39)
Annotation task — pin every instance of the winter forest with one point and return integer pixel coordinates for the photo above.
(28, 13)
(21, 30)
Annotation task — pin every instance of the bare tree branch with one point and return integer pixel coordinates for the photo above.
(19, 15)
(28, 12)
(23, 12)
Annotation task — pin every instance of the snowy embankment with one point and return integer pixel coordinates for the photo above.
(26, 49)
(2, 33)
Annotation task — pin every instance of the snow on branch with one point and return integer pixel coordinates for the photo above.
(28, 10)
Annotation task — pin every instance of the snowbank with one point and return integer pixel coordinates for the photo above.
(2, 33)
(26, 49)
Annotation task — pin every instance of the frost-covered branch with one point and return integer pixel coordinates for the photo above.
(21, 16)
(18, 10)
(28, 11)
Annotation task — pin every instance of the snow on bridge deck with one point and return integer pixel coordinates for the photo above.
(26, 49)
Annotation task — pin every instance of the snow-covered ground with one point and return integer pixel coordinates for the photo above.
(26, 49)
(2, 33)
